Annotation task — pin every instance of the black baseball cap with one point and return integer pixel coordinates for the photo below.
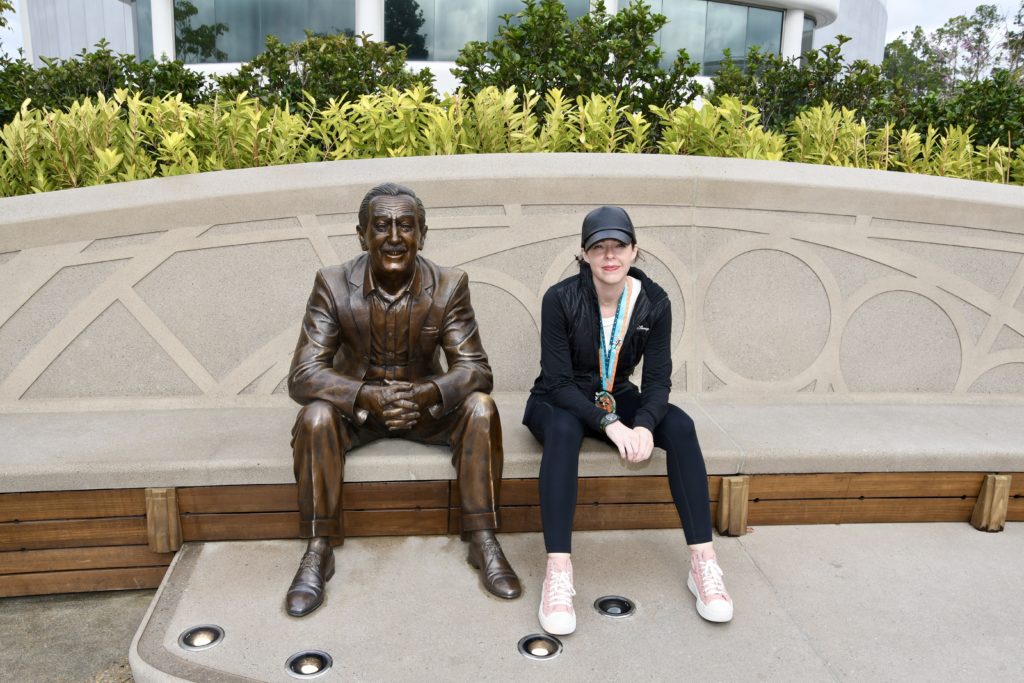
(607, 223)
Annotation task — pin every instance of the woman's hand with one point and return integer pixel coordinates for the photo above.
(624, 439)
(635, 445)
(645, 443)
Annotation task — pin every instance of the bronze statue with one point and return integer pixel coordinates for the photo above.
(367, 366)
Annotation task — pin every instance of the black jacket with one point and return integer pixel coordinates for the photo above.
(570, 341)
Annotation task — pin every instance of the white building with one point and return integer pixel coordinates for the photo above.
(234, 30)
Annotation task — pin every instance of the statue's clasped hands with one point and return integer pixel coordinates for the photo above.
(399, 405)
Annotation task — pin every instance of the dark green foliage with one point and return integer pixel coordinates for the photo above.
(994, 107)
(337, 66)
(599, 53)
(62, 81)
(781, 88)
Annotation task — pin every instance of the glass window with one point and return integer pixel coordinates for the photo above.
(683, 31)
(437, 29)
(143, 30)
(208, 31)
(807, 39)
(726, 30)
(764, 29)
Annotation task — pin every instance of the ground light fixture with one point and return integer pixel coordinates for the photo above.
(308, 664)
(540, 647)
(201, 637)
(615, 606)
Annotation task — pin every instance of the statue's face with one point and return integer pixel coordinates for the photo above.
(392, 237)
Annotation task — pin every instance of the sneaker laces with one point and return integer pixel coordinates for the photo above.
(558, 591)
(711, 578)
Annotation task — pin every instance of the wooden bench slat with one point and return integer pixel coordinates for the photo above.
(611, 490)
(868, 485)
(73, 533)
(869, 510)
(81, 581)
(269, 525)
(378, 495)
(67, 559)
(47, 505)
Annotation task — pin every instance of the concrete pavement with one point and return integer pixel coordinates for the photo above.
(815, 603)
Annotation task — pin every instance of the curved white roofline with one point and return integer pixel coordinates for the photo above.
(824, 12)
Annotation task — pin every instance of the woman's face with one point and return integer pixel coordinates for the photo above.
(610, 260)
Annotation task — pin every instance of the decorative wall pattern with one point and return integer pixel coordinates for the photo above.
(763, 301)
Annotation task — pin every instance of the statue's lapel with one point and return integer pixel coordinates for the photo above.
(422, 298)
(358, 306)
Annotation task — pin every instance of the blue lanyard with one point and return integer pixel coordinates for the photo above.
(610, 347)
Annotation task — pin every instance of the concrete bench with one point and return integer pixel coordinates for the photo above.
(848, 342)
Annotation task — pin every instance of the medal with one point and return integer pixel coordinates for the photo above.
(603, 399)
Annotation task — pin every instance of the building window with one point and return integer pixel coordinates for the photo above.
(807, 39)
(210, 31)
(143, 29)
(437, 29)
(707, 29)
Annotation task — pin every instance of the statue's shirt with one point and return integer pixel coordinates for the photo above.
(389, 330)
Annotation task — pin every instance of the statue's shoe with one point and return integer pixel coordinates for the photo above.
(496, 573)
(307, 590)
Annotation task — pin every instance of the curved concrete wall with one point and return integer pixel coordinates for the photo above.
(784, 278)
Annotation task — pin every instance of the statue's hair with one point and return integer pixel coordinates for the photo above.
(390, 190)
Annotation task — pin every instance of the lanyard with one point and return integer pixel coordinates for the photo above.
(610, 347)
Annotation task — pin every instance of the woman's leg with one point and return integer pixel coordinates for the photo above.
(561, 433)
(687, 476)
(688, 480)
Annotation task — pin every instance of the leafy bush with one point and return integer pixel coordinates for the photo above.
(614, 55)
(130, 137)
(781, 88)
(61, 82)
(325, 67)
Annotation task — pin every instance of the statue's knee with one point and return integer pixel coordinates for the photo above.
(318, 415)
(480, 406)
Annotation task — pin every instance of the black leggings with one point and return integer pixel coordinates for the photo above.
(562, 434)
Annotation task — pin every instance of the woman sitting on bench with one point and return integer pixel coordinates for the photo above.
(595, 328)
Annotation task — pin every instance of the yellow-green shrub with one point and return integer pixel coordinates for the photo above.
(130, 137)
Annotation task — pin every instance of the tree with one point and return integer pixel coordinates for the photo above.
(910, 60)
(781, 88)
(1013, 44)
(402, 22)
(336, 66)
(539, 48)
(199, 43)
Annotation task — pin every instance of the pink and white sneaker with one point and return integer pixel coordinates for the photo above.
(705, 582)
(555, 613)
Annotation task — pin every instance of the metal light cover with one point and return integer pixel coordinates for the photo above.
(539, 646)
(308, 664)
(201, 637)
(615, 607)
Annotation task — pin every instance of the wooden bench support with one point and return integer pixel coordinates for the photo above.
(163, 525)
(993, 500)
(732, 505)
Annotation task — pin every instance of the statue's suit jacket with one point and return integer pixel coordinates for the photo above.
(333, 352)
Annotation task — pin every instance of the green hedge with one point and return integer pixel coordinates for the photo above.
(131, 137)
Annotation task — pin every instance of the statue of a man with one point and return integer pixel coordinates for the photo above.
(367, 366)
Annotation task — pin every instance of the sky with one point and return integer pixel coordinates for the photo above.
(904, 15)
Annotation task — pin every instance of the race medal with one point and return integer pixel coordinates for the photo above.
(605, 401)
(609, 355)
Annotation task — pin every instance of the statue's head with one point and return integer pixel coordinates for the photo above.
(392, 229)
